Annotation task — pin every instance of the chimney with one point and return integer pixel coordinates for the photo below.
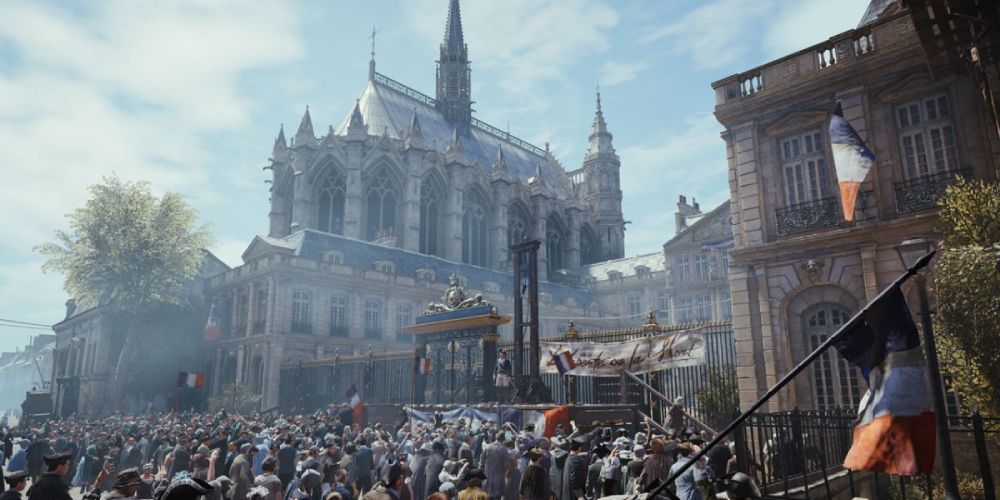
(685, 211)
(70, 308)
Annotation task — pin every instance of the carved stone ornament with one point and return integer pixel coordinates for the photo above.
(455, 298)
(813, 268)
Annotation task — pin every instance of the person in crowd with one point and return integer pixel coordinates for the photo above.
(50, 485)
(17, 481)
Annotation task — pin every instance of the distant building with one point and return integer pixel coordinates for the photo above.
(798, 269)
(697, 258)
(25, 370)
(369, 220)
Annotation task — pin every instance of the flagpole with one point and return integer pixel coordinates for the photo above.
(918, 265)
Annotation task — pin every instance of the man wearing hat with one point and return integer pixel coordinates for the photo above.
(502, 376)
(125, 486)
(50, 486)
(241, 473)
(474, 480)
(17, 481)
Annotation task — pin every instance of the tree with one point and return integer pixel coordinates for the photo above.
(967, 284)
(718, 398)
(131, 251)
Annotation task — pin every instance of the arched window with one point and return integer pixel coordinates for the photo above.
(554, 244)
(517, 226)
(380, 206)
(474, 232)
(835, 381)
(588, 247)
(330, 217)
(430, 218)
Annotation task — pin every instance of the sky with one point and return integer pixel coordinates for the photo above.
(189, 95)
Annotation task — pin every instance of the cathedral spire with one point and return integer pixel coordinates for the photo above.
(454, 80)
(280, 142)
(600, 138)
(356, 127)
(414, 125)
(305, 135)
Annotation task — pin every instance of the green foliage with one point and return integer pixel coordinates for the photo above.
(127, 247)
(967, 287)
(236, 398)
(719, 398)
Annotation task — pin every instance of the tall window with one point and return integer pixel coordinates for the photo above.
(835, 381)
(257, 375)
(338, 316)
(373, 319)
(634, 305)
(663, 306)
(517, 227)
(404, 317)
(703, 307)
(588, 246)
(331, 204)
(803, 164)
(727, 305)
(701, 267)
(430, 218)
(380, 206)
(554, 244)
(927, 136)
(685, 310)
(683, 268)
(474, 232)
(259, 310)
(242, 310)
(301, 311)
(724, 259)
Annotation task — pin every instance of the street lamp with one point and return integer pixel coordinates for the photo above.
(909, 251)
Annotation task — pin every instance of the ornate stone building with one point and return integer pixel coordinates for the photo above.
(370, 219)
(798, 270)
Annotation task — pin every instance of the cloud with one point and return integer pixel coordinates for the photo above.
(523, 43)
(614, 73)
(690, 161)
(721, 33)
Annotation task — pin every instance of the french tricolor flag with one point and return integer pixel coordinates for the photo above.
(423, 366)
(354, 399)
(212, 325)
(191, 380)
(895, 429)
(851, 158)
(564, 362)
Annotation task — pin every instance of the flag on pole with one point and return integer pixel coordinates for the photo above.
(212, 326)
(191, 380)
(851, 158)
(423, 366)
(357, 406)
(895, 429)
(564, 362)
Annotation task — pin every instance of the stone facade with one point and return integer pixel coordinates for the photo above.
(369, 220)
(798, 269)
(697, 261)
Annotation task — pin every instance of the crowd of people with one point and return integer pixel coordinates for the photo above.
(326, 456)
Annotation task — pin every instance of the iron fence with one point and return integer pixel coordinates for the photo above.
(799, 455)
(386, 378)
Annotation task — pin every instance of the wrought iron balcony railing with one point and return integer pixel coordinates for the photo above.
(807, 216)
(922, 193)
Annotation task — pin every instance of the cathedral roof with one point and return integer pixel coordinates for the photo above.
(627, 266)
(390, 106)
(874, 10)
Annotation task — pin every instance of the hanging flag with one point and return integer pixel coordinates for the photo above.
(423, 366)
(212, 326)
(357, 406)
(564, 362)
(191, 380)
(895, 430)
(851, 159)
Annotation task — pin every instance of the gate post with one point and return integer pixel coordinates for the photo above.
(984, 458)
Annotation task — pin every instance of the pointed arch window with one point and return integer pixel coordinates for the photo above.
(588, 247)
(517, 227)
(381, 198)
(475, 249)
(330, 217)
(430, 218)
(554, 244)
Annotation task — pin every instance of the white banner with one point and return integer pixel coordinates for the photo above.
(648, 354)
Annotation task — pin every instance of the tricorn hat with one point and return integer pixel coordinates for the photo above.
(474, 473)
(127, 477)
(58, 458)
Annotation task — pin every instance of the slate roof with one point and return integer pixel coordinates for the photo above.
(387, 105)
(875, 7)
(359, 254)
(626, 266)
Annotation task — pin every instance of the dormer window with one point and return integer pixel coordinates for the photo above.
(385, 266)
(642, 272)
(614, 275)
(427, 275)
(334, 257)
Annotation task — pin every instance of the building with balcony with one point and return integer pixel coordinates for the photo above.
(797, 269)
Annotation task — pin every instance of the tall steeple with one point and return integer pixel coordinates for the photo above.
(600, 138)
(305, 135)
(454, 79)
